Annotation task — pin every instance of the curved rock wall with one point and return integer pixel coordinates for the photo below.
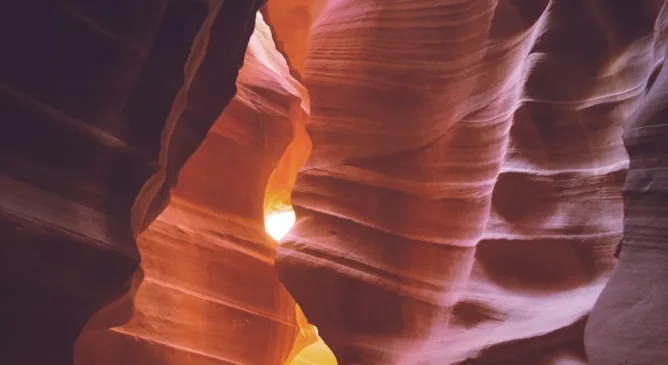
(461, 203)
(211, 295)
(628, 322)
(463, 198)
(101, 104)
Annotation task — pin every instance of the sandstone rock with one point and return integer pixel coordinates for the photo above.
(211, 295)
(102, 102)
(456, 169)
(463, 198)
(628, 322)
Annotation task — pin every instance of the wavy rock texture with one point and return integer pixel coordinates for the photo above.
(211, 295)
(460, 205)
(463, 197)
(101, 104)
(634, 298)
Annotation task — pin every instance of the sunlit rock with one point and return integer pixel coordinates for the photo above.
(455, 170)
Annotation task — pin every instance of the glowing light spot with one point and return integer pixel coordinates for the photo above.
(278, 224)
(315, 354)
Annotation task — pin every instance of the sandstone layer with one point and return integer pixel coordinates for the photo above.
(462, 201)
(628, 322)
(101, 104)
(457, 169)
(211, 295)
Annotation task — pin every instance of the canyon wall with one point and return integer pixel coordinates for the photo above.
(211, 295)
(101, 104)
(628, 324)
(462, 201)
(456, 167)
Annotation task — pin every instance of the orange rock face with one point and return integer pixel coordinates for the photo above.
(455, 169)
(210, 293)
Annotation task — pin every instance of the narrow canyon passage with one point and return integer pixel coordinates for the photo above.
(210, 293)
(333, 182)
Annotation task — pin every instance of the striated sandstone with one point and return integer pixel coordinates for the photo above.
(101, 104)
(628, 322)
(463, 197)
(456, 168)
(211, 295)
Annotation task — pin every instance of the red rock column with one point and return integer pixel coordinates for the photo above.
(96, 99)
(629, 323)
(411, 110)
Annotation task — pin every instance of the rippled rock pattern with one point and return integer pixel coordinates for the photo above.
(628, 322)
(457, 168)
(463, 200)
(211, 294)
(101, 103)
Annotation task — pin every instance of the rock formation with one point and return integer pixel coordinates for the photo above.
(456, 169)
(211, 295)
(463, 198)
(628, 323)
(101, 103)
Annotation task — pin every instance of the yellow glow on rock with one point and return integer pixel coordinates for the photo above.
(278, 224)
(315, 354)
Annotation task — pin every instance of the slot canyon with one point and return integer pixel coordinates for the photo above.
(334, 182)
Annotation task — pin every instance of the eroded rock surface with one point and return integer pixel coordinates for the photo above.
(461, 203)
(463, 198)
(211, 294)
(628, 323)
(101, 103)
